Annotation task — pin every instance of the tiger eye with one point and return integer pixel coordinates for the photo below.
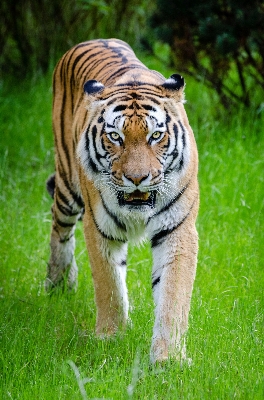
(114, 135)
(156, 135)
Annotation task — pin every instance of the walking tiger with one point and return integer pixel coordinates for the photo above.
(126, 159)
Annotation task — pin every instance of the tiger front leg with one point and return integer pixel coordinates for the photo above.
(108, 264)
(173, 275)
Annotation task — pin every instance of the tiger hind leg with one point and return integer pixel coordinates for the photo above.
(67, 208)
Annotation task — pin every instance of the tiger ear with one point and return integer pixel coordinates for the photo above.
(174, 82)
(92, 87)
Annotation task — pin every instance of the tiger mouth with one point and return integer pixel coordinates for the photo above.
(137, 198)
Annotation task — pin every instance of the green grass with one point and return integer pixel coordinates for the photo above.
(45, 341)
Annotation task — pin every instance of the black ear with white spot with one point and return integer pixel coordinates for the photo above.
(92, 86)
(175, 82)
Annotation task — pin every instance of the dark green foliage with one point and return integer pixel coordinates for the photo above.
(221, 42)
(35, 34)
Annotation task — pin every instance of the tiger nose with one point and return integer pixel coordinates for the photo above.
(136, 179)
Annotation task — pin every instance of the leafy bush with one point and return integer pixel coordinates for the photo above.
(220, 42)
(35, 33)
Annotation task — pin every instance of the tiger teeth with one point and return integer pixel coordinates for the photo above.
(145, 196)
(137, 195)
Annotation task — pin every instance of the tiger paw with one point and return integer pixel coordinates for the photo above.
(61, 279)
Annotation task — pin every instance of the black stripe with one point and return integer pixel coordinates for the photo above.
(72, 52)
(76, 105)
(114, 217)
(119, 108)
(174, 153)
(103, 234)
(66, 65)
(62, 197)
(149, 97)
(98, 155)
(62, 131)
(64, 224)
(155, 282)
(136, 83)
(109, 125)
(67, 210)
(106, 153)
(117, 94)
(82, 70)
(170, 204)
(160, 236)
(175, 131)
(105, 66)
(73, 75)
(147, 107)
(66, 239)
(124, 69)
(93, 166)
(64, 210)
(76, 198)
(120, 94)
(168, 118)
(116, 97)
(181, 162)
(91, 163)
(87, 59)
(87, 140)
(183, 134)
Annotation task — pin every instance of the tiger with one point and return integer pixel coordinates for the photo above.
(126, 163)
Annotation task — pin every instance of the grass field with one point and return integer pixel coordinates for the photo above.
(48, 349)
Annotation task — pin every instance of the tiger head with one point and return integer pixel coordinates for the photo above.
(135, 145)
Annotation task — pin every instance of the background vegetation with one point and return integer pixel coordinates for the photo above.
(218, 42)
(48, 348)
(33, 35)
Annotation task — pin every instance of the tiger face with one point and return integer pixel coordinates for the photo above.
(137, 156)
